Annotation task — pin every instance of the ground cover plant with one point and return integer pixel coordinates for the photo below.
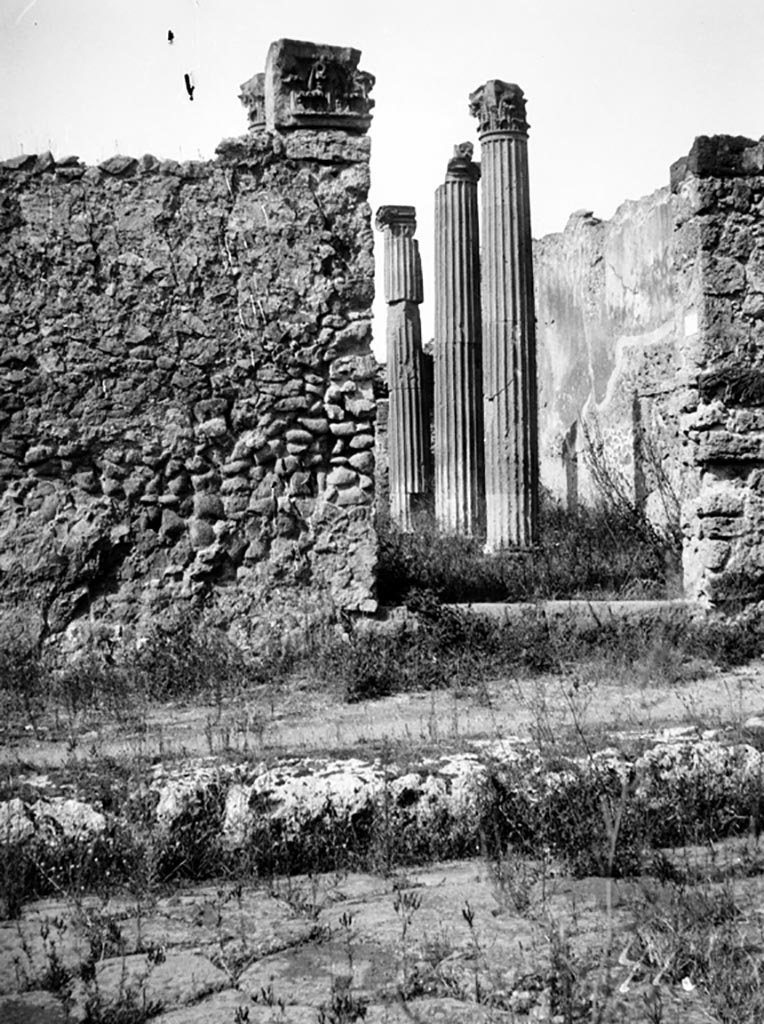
(608, 550)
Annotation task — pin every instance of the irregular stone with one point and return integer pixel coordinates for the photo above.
(208, 506)
(172, 524)
(316, 425)
(16, 822)
(177, 979)
(293, 403)
(361, 442)
(361, 407)
(344, 429)
(200, 533)
(299, 437)
(213, 428)
(220, 1008)
(342, 477)
(353, 496)
(363, 462)
(119, 165)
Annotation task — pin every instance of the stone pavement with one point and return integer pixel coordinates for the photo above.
(452, 942)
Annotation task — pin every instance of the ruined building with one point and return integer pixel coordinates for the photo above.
(650, 351)
(187, 390)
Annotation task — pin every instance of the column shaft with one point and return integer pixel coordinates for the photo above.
(510, 403)
(459, 460)
(408, 422)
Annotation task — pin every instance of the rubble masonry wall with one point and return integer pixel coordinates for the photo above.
(186, 400)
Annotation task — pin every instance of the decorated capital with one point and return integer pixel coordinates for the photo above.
(311, 85)
(499, 107)
(461, 166)
(252, 96)
(400, 219)
(403, 269)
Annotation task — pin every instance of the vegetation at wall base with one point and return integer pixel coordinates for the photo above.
(608, 551)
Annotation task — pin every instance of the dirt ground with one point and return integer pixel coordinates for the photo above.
(302, 718)
(459, 942)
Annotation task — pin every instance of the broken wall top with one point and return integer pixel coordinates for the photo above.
(720, 156)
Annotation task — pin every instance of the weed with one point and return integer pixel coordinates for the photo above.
(267, 997)
(405, 904)
(344, 1006)
(469, 916)
(610, 550)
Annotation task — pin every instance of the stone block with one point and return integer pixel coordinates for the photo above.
(308, 85)
(720, 502)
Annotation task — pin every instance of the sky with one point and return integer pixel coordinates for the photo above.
(616, 90)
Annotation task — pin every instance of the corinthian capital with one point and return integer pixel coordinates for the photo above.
(499, 107)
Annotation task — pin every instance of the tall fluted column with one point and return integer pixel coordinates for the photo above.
(510, 404)
(459, 482)
(408, 423)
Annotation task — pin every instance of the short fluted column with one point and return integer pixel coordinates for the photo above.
(458, 401)
(510, 403)
(408, 422)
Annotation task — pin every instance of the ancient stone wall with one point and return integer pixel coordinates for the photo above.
(609, 338)
(186, 382)
(720, 191)
(651, 360)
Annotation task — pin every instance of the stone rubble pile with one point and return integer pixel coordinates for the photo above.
(295, 794)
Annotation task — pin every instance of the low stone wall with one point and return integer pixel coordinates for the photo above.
(186, 381)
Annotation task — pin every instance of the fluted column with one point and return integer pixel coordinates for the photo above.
(458, 401)
(510, 404)
(408, 423)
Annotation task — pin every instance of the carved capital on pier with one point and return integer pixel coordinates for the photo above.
(310, 85)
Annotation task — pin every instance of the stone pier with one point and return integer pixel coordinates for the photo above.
(408, 420)
(509, 334)
(458, 403)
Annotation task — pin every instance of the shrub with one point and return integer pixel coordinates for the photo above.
(607, 551)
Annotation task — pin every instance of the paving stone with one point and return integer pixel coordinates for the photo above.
(178, 979)
(32, 1008)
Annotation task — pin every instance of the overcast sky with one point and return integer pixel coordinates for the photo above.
(616, 90)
